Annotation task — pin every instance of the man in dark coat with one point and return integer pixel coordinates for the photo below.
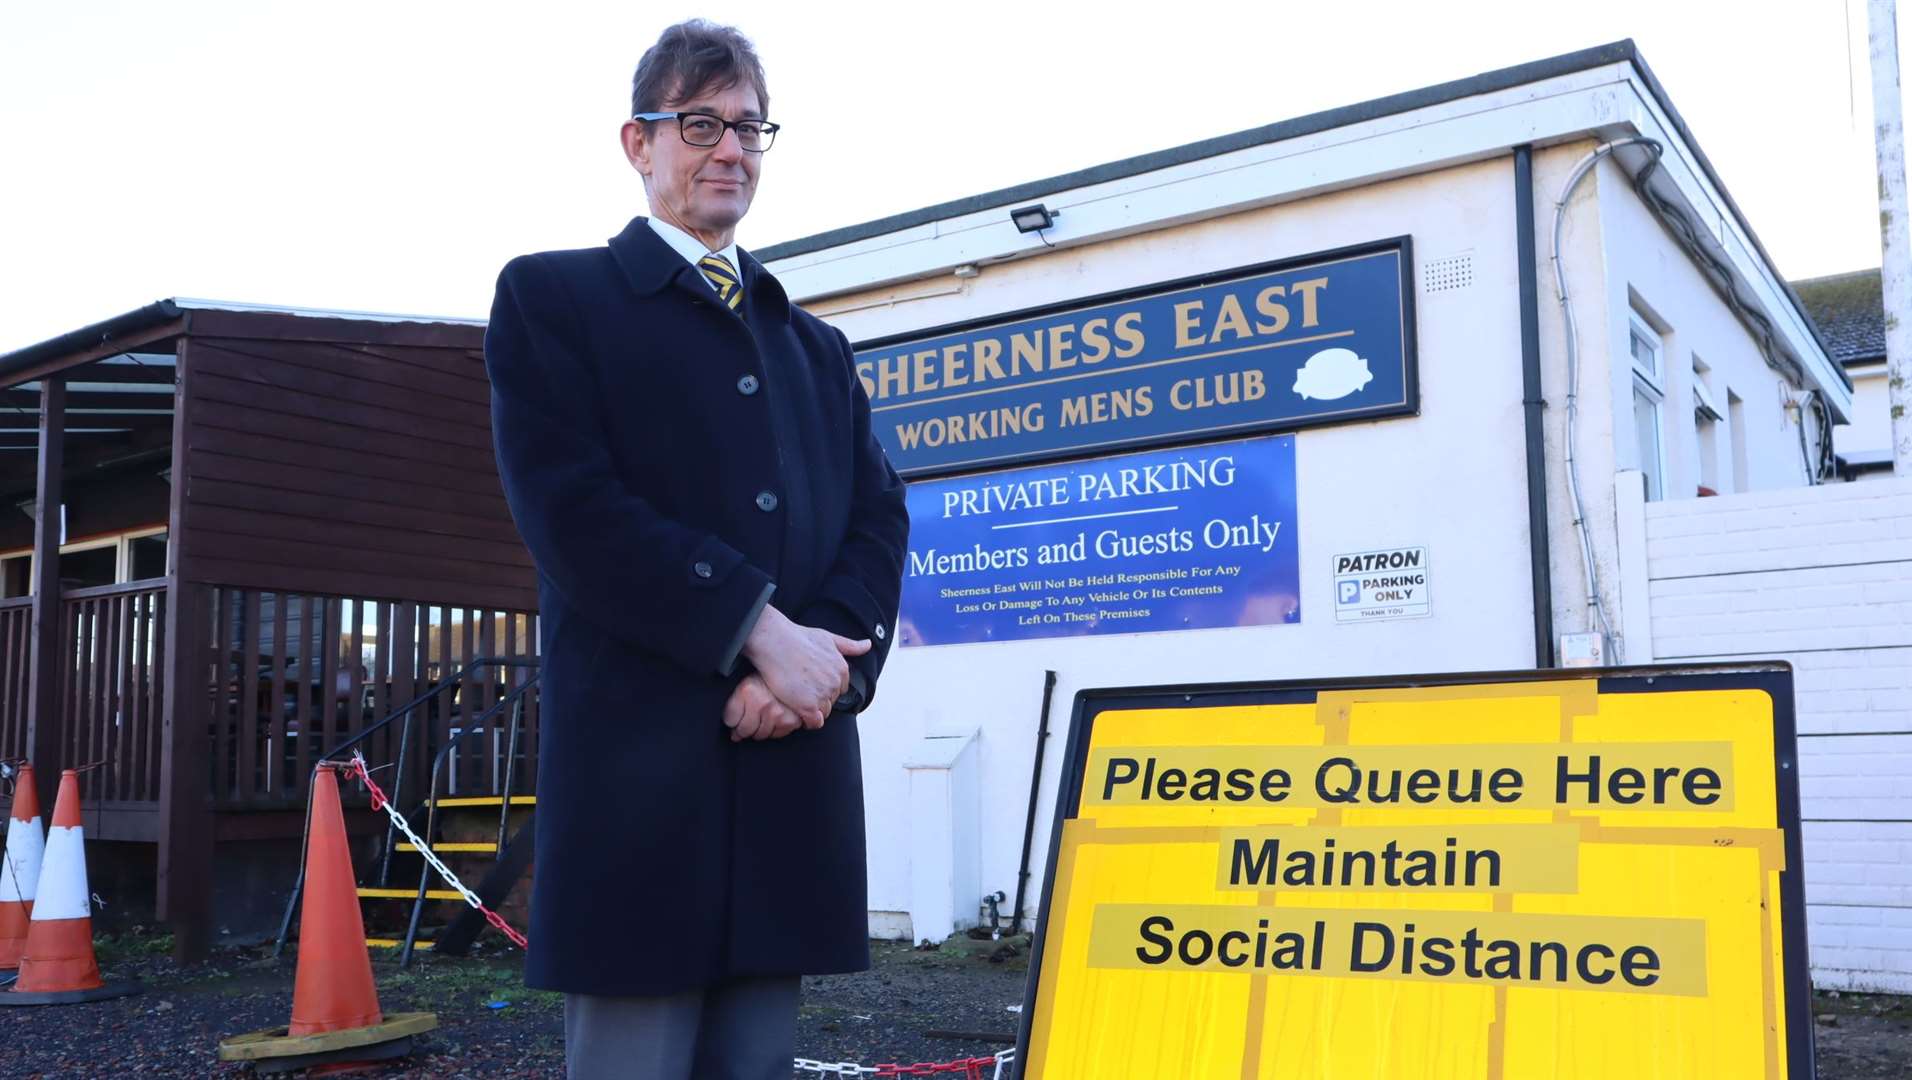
(719, 542)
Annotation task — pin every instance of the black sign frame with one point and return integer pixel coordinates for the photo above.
(1410, 358)
(1774, 678)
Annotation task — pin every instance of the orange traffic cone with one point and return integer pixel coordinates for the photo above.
(58, 966)
(20, 867)
(335, 1013)
(333, 989)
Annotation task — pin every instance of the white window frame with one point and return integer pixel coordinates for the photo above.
(1703, 403)
(125, 572)
(1650, 383)
(121, 543)
(1736, 441)
(1706, 414)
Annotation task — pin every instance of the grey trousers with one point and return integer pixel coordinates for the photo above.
(740, 1030)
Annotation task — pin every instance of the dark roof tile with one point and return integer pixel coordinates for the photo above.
(1850, 314)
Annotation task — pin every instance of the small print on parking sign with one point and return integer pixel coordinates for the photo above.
(1375, 585)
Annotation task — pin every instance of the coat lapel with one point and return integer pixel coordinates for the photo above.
(649, 264)
(763, 290)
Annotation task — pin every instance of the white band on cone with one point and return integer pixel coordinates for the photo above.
(63, 877)
(20, 866)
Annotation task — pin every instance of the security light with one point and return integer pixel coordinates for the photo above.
(1035, 218)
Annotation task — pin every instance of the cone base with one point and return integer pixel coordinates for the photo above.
(276, 1047)
(364, 1059)
(124, 988)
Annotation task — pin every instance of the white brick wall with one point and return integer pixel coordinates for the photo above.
(1822, 578)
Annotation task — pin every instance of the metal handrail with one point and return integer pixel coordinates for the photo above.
(515, 699)
(343, 750)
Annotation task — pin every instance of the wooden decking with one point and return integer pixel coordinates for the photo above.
(337, 543)
(291, 676)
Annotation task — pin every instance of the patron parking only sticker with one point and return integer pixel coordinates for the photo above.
(1370, 586)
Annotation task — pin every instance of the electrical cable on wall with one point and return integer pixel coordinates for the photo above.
(1720, 275)
(1821, 464)
(1717, 273)
(1590, 577)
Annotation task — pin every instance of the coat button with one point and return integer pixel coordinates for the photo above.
(747, 385)
(702, 569)
(881, 633)
(766, 501)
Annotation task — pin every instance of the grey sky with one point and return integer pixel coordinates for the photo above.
(391, 156)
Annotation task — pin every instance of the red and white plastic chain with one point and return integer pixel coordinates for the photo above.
(969, 1068)
(380, 802)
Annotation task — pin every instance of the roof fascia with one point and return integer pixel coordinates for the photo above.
(1607, 101)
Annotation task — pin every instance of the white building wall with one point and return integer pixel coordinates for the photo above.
(1452, 479)
(1648, 273)
(1870, 431)
(1620, 261)
(1584, 262)
(1822, 578)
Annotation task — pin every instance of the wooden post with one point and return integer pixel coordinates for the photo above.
(185, 788)
(49, 654)
(185, 798)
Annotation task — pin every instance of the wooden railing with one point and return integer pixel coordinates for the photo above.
(290, 676)
(294, 675)
(114, 694)
(16, 653)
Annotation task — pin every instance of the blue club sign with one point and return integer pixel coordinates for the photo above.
(1322, 339)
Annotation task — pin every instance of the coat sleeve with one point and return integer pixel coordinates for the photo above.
(632, 572)
(859, 595)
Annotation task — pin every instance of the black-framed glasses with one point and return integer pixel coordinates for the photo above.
(705, 130)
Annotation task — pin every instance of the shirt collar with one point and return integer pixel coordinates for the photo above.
(691, 248)
(649, 264)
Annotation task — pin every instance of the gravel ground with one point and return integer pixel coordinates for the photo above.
(913, 1006)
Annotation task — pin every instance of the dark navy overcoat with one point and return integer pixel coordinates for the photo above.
(670, 462)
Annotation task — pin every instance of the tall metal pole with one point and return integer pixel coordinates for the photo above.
(1895, 242)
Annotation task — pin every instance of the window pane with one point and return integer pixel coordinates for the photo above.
(85, 569)
(1646, 423)
(149, 557)
(1736, 431)
(1709, 453)
(1645, 356)
(14, 576)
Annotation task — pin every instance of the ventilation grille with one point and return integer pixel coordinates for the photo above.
(1448, 273)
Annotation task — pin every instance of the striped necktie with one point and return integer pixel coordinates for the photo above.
(723, 278)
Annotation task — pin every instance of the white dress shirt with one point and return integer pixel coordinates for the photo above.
(693, 249)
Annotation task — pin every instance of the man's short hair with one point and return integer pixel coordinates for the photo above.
(691, 58)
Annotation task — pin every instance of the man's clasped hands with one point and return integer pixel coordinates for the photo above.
(800, 672)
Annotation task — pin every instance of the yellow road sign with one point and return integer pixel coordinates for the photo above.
(1476, 877)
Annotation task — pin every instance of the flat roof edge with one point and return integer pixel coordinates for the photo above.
(161, 312)
(188, 303)
(1484, 83)
(1328, 119)
(92, 335)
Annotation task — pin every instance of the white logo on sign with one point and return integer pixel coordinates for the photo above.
(1331, 374)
